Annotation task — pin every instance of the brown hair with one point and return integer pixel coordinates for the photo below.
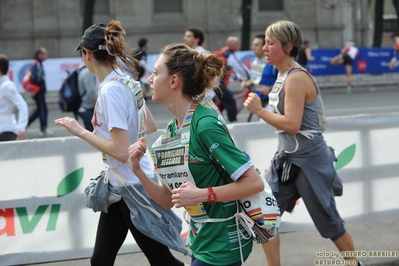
(198, 34)
(115, 47)
(197, 70)
(4, 64)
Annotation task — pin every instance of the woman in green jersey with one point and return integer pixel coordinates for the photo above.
(198, 164)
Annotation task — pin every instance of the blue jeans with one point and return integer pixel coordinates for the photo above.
(40, 112)
(86, 117)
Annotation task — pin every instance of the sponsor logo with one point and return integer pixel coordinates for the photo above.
(170, 157)
(12, 214)
(214, 146)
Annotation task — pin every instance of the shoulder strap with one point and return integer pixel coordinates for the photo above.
(78, 70)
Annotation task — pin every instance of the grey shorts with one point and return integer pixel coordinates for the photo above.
(330, 225)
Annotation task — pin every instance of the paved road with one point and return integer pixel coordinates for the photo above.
(336, 101)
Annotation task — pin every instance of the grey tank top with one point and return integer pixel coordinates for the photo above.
(313, 120)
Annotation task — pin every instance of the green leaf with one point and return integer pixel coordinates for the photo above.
(70, 182)
(345, 157)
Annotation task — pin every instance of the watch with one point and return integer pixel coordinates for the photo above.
(211, 196)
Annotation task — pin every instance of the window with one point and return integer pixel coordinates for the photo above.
(270, 5)
(390, 25)
(170, 6)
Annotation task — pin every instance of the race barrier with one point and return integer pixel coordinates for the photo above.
(369, 61)
(42, 217)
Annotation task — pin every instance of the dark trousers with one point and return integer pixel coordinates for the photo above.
(7, 135)
(86, 117)
(40, 112)
(228, 102)
(111, 233)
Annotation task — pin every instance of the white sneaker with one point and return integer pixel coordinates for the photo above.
(47, 133)
(349, 90)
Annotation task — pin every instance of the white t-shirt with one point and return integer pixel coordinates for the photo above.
(9, 99)
(352, 52)
(201, 49)
(116, 108)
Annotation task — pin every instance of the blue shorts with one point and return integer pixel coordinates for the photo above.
(330, 225)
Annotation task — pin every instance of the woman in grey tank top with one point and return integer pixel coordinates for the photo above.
(303, 166)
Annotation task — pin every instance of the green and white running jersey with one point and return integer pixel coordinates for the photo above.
(215, 243)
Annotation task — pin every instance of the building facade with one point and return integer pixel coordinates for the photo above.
(26, 25)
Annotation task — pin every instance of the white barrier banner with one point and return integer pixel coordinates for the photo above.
(42, 217)
(56, 70)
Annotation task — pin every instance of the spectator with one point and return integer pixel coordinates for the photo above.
(195, 38)
(38, 78)
(234, 70)
(263, 75)
(240, 71)
(10, 128)
(303, 166)
(348, 53)
(304, 54)
(214, 174)
(87, 84)
(394, 61)
(141, 56)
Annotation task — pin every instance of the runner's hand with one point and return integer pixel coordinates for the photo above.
(71, 125)
(253, 103)
(188, 195)
(136, 151)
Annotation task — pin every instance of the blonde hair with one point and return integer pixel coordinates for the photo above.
(286, 31)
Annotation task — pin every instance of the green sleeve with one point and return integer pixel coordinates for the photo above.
(215, 139)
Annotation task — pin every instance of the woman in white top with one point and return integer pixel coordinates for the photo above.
(120, 118)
